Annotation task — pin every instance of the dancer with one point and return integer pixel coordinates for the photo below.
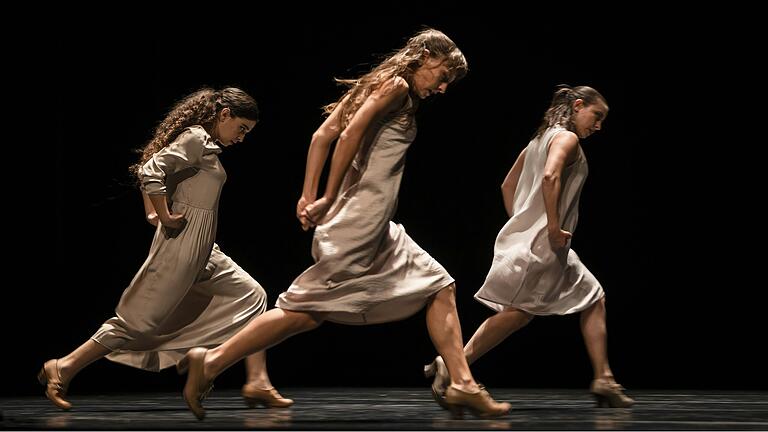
(187, 293)
(534, 271)
(367, 269)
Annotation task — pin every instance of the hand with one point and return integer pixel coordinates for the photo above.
(175, 226)
(558, 238)
(153, 219)
(175, 221)
(300, 206)
(315, 212)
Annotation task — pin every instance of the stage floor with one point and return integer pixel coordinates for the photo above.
(394, 409)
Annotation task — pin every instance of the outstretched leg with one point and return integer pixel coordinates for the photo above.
(56, 374)
(494, 330)
(266, 330)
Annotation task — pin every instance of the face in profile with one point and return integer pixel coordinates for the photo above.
(431, 77)
(588, 119)
(231, 129)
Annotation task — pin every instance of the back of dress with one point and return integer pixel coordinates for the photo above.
(526, 273)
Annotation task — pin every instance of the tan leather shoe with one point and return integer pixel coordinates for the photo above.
(440, 383)
(480, 404)
(197, 387)
(270, 397)
(50, 377)
(609, 394)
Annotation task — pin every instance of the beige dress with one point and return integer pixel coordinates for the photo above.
(187, 293)
(526, 274)
(367, 269)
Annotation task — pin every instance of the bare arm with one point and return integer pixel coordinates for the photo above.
(318, 151)
(380, 102)
(562, 152)
(149, 209)
(509, 186)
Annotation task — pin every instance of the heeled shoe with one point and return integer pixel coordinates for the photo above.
(50, 377)
(440, 383)
(196, 388)
(481, 404)
(610, 394)
(270, 397)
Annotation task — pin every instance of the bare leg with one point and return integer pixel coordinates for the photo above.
(607, 392)
(256, 370)
(266, 330)
(81, 357)
(445, 331)
(494, 330)
(258, 389)
(595, 338)
(56, 374)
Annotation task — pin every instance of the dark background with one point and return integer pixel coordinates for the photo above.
(654, 227)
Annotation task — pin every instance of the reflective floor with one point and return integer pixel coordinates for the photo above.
(394, 409)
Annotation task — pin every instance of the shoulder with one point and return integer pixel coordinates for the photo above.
(192, 136)
(565, 140)
(196, 133)
(394, 88)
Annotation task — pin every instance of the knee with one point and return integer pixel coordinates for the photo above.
(518, 316)
(305, 321)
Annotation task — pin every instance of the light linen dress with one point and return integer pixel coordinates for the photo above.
(526, 274)
(187, 293)
(367, 269)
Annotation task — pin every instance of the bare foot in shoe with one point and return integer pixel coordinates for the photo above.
(55, 388)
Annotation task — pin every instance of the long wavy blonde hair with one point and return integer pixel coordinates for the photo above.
(198, 108)
(403, 63)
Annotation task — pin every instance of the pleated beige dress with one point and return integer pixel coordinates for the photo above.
(367, 269)
(187, 293)
(526, 274)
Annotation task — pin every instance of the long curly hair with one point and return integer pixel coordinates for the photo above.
(560, 111)
(199, 108)
(403, 63)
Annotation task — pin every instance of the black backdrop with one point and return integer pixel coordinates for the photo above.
(674, 319)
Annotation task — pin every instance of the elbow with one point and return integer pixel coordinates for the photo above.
(319, 140)
(550, 178)
(344, 137)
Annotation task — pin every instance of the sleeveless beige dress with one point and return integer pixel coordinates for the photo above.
(526, 274)
(367, 269)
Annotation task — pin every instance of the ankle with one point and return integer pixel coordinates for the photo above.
(259, 383)
(607, 376)
(210, 368)
(466, 387)
(64, 370)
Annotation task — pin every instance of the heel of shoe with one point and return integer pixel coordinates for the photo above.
(602, 401)
(457, 411)
(430, 370)
(250, 402)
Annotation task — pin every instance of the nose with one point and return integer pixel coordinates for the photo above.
(442, 87)
(598, 125)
